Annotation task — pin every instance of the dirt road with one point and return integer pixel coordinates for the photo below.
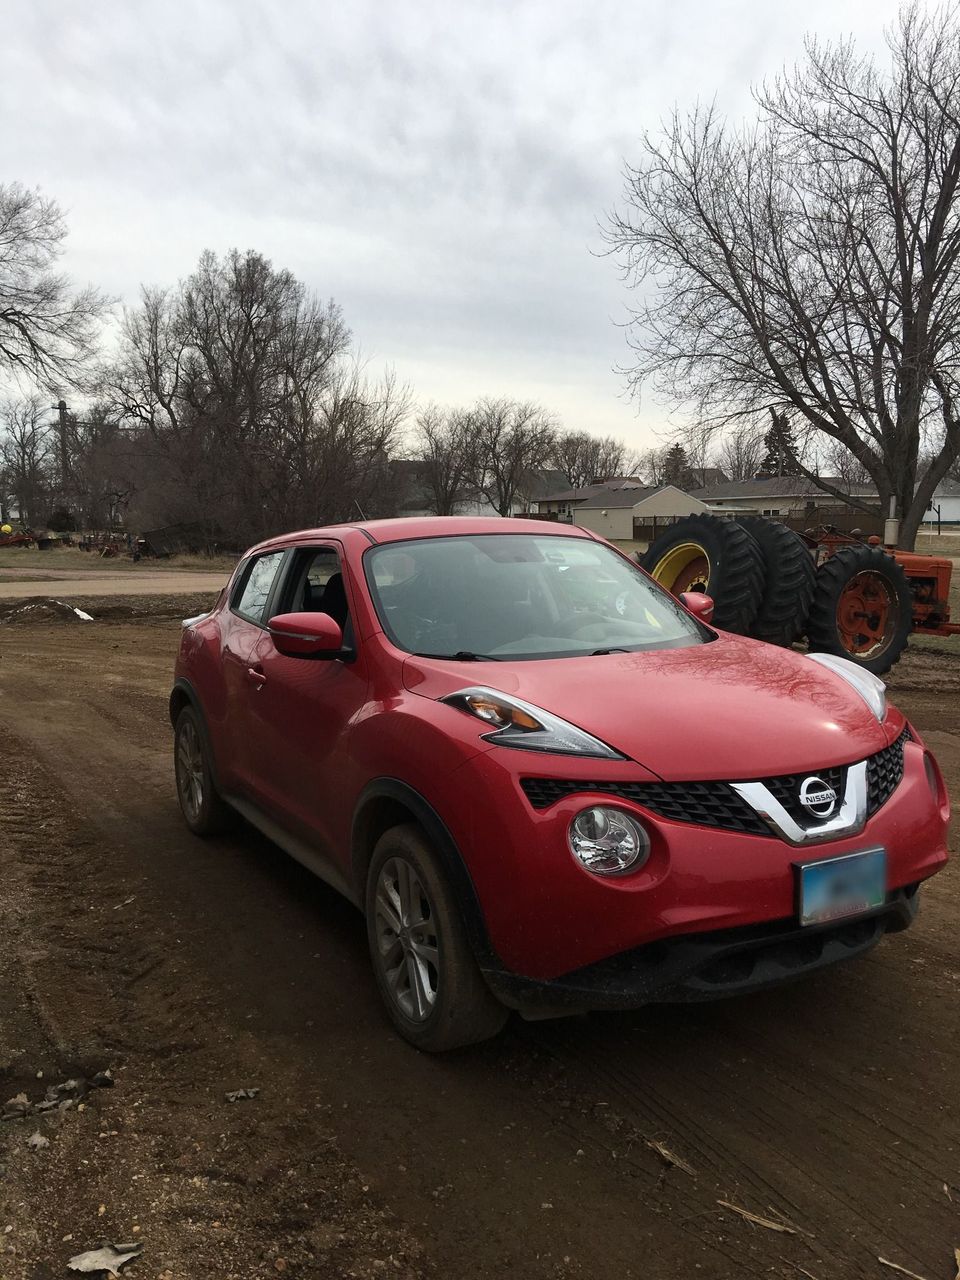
(19, 584)
(191, 969)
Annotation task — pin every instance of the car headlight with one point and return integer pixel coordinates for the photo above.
(515, 723)
(608, 841)
(870, 687)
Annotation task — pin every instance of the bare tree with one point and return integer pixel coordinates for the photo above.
(48, 331)
(585, 459)
(26, 459)
(445, 447)
(652, 465)
(740, 451)
(811, 263)
(511, 441)
(257, 415)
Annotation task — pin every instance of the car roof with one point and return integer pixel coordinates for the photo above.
(402, 528)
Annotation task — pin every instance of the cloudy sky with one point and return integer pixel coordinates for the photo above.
(437, 166)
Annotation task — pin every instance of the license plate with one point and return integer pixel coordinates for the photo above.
(840, 887)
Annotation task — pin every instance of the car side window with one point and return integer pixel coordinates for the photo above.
(316, 585)
(252, 595)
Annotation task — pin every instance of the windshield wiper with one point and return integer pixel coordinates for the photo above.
(462, 655)
(599, 653)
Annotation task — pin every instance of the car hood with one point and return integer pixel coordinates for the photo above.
(730, 709)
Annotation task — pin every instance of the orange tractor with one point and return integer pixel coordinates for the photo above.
(854, 598)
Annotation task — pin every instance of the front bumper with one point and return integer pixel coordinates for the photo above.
(547, 918)
(706, 966)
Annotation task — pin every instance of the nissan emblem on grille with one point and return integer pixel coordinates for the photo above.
(818, 797)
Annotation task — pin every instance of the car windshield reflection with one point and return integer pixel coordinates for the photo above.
(520, 597)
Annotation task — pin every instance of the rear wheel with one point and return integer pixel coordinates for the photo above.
(203, 810)
(791, 578)
(862, 608)
(717, 557)
(428, 978)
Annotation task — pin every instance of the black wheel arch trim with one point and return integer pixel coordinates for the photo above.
(443, 842)
(182, 688)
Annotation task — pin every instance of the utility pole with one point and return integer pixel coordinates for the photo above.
(61, 408)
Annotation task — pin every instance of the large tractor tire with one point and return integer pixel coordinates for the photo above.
(718, 557)
(862, 608)
(791, 577)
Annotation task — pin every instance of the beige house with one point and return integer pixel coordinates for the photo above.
(611, 514)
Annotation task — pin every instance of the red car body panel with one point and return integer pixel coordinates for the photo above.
(304, 740)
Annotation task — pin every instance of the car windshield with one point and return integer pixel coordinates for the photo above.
(520, 596)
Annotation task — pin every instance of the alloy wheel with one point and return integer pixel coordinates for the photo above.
(190, 770)
(408, 950)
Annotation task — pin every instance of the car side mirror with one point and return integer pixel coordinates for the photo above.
(700, 605)
(306, 635)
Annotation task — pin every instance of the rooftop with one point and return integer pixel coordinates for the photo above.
(780, 487)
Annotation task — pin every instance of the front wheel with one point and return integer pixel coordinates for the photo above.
(426, 973)
(862, 608)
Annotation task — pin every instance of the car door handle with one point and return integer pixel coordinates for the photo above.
(256, 677)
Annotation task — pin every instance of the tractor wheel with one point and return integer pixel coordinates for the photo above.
(791, 580)
(718, 557)
(862, 608)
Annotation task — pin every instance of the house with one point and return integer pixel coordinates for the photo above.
(784, 496)
(560, 504)
(610, 507)
(945, 507)
(613, 514)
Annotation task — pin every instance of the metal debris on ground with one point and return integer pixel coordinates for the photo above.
(58, 1097)
(757, 1220)
(16, 1107)
(238, 1095)
(109, 1257)
(668, 1157)
(37, 1141)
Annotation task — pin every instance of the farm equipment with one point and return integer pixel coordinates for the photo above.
(12, 539)
(854, 598)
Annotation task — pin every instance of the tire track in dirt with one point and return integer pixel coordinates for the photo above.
(771, 1099)
(205, 1186)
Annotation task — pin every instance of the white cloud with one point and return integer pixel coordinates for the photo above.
(439, 168)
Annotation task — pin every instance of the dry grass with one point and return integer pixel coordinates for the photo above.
(944, 544)
(76, 561)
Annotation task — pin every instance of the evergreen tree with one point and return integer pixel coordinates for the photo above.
(676, 469)
(779, 449)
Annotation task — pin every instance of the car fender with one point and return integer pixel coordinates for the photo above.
(182, 694)
(402, 794)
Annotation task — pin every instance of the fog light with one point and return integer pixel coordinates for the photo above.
(608, 841)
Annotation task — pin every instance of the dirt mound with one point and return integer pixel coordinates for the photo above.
(42, 609)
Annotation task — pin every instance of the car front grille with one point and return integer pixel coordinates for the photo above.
(787, 790)
(709, 804)
(716, 804)
(884, 773)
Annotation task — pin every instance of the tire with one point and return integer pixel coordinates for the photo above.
(858, 581)
(442, 1002)
(791, 579)
(203, 809)
(719, 557)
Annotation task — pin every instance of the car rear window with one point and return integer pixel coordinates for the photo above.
(256, 583)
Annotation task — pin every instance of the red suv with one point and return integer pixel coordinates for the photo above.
(549, 785)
